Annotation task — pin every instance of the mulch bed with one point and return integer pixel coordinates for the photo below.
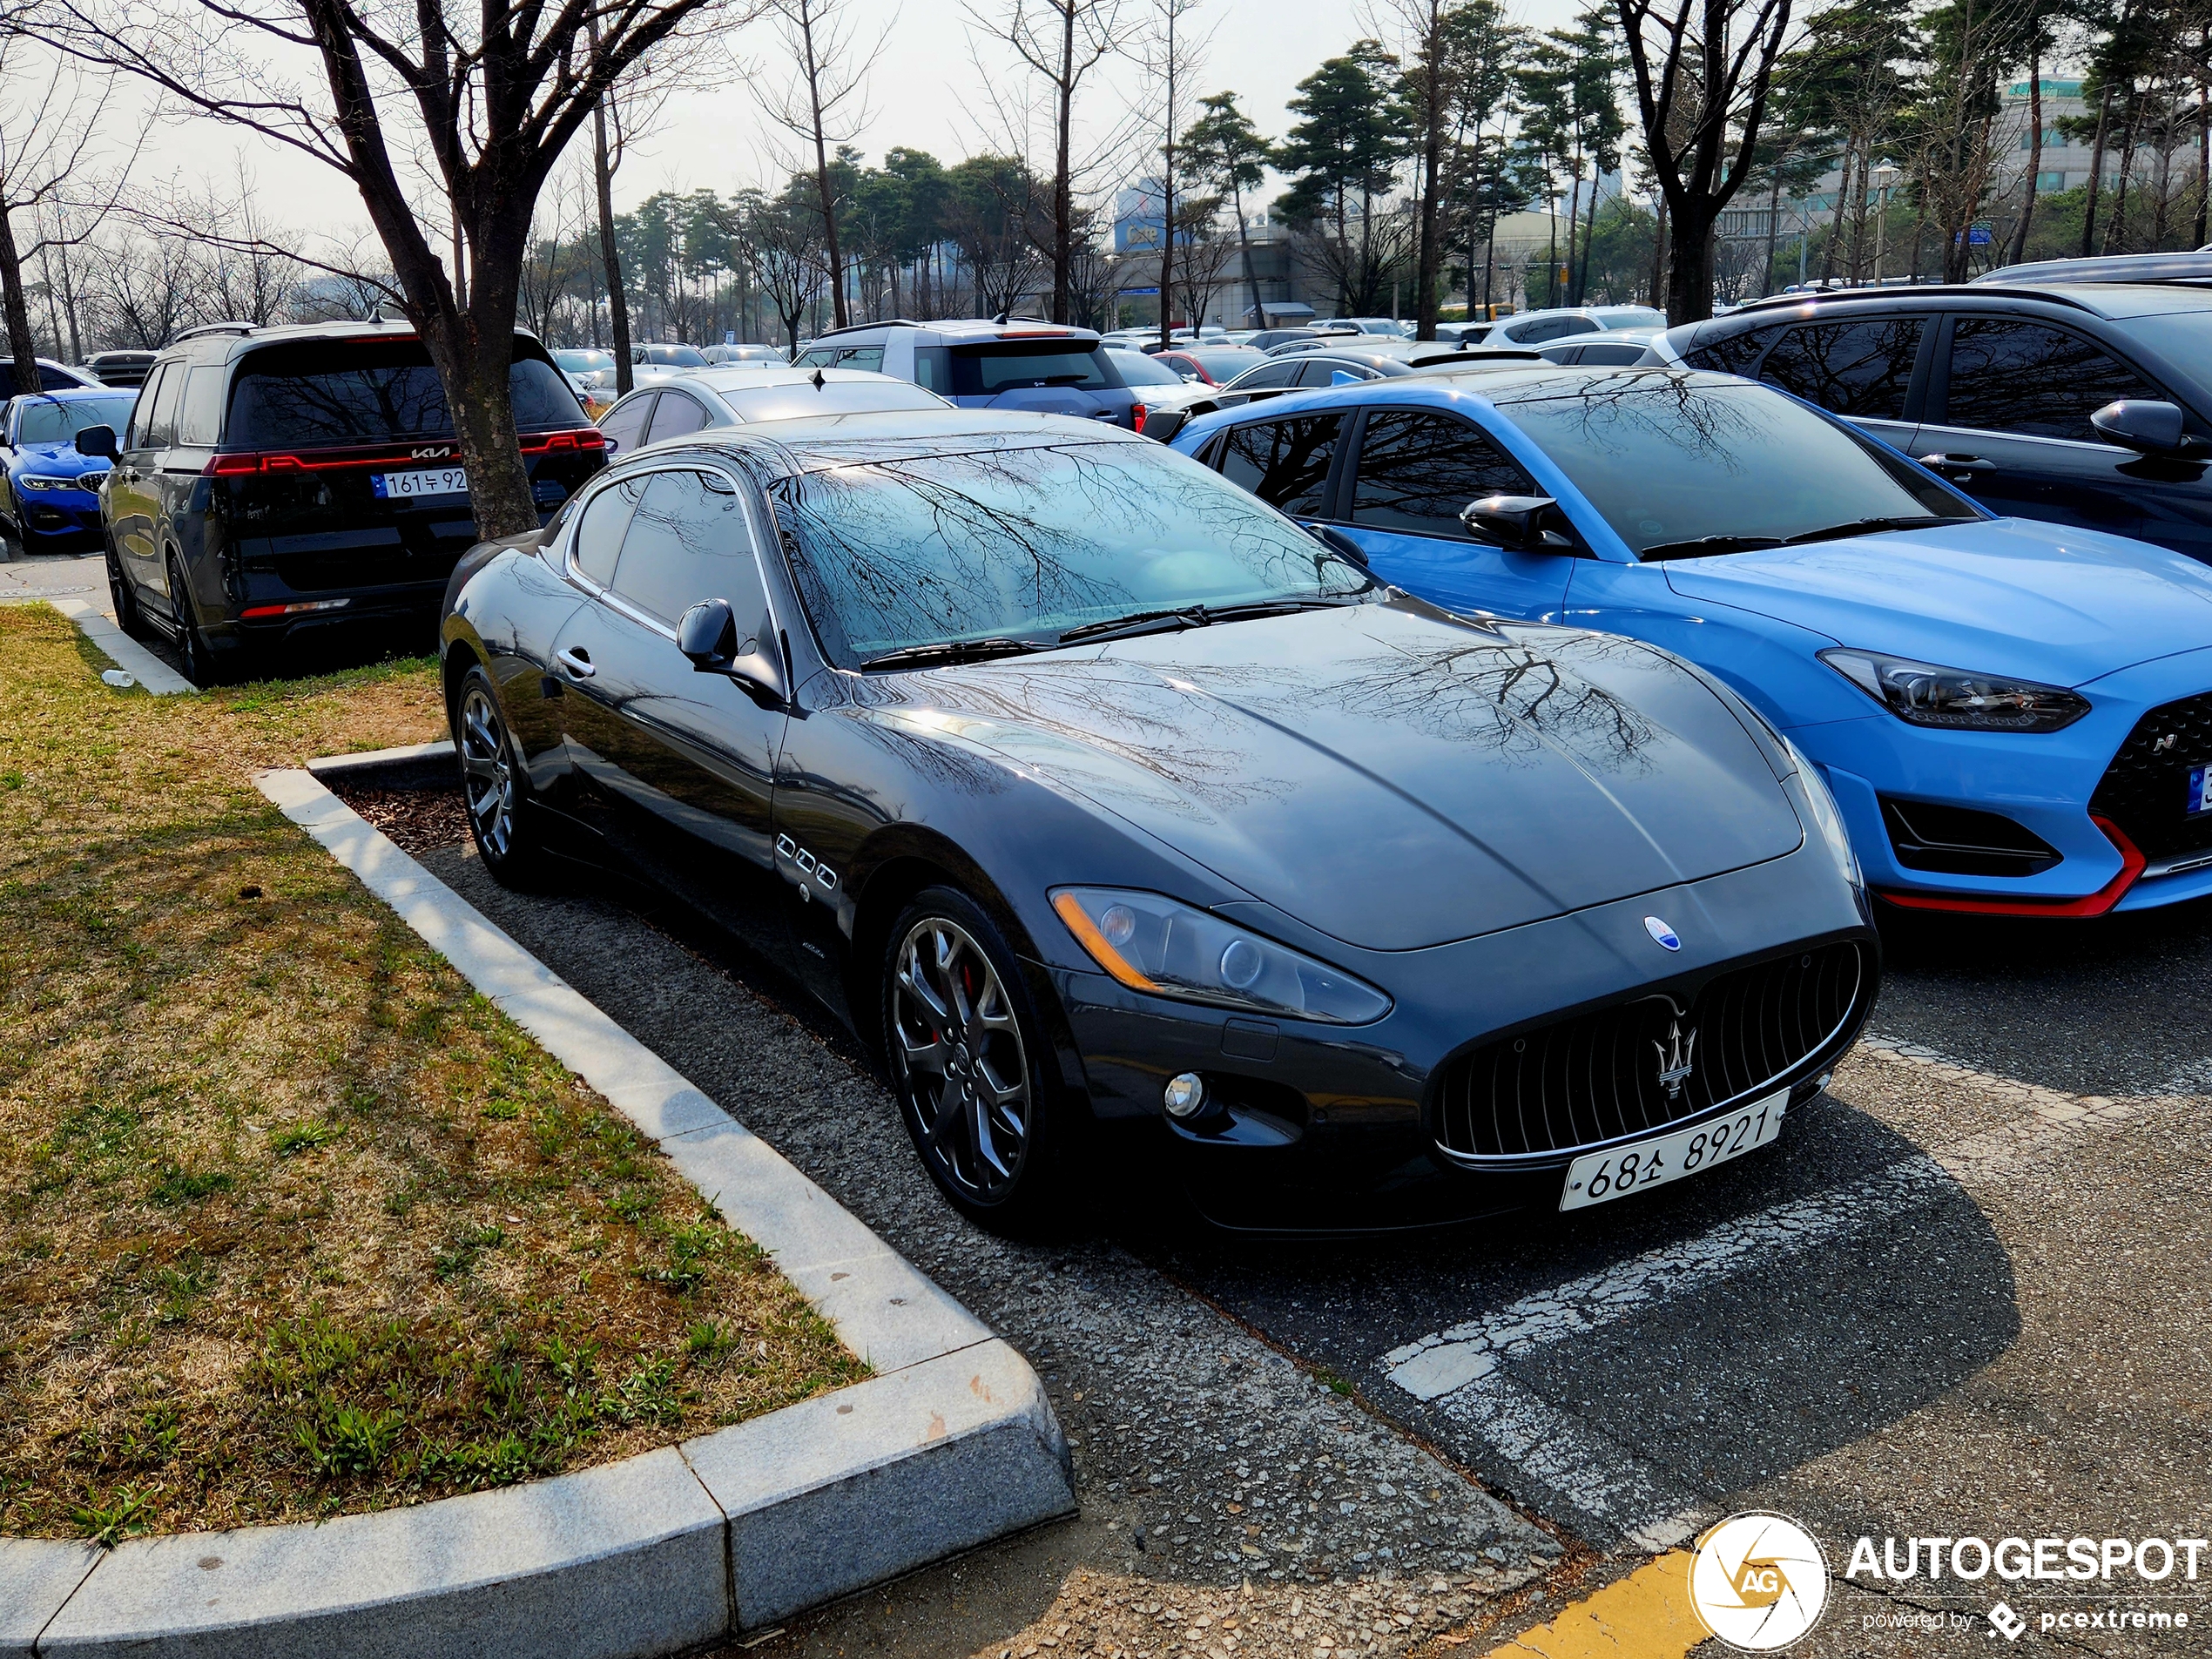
(416, 820)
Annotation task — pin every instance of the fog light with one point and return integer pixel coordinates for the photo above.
(1185, 1094)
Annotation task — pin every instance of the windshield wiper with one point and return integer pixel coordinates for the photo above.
(953, 650)
(1705, 544)
(1862, 526)
(1142, 622)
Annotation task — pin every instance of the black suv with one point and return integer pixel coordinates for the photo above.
(1995, 387)
(274, 482)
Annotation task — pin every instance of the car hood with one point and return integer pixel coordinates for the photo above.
(1391, 777)
(63, 459)
(2013, 596)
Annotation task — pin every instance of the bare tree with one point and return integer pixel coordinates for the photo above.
(782, 243)
(492, 93)
(52, 118)
(1707, 64)
(825, 105)
(1172, 56)
(1060, 42)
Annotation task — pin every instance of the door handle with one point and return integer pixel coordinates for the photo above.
(577, 661)
(1957, 463)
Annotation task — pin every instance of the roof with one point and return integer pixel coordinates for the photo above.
(968, 328)
(811, 445)
(2108, 299)
(2115, 267)
(69, 393)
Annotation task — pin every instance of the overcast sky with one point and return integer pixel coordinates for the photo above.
(927, 92)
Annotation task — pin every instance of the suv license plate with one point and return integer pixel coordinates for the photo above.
(2199, 776)
(433, 480)
(1597, 1177)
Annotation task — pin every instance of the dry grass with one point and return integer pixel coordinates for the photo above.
(291, 1222)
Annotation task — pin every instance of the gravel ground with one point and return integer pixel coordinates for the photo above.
(1205, 1460)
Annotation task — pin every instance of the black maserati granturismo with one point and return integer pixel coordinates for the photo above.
(1101, 798)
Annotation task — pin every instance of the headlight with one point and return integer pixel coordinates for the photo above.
(1820, 804)
(1925, 695)
(1153, 944)
(48, 480)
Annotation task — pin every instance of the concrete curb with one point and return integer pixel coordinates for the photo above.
(125, 652)
(952, 1444)
(420, 766)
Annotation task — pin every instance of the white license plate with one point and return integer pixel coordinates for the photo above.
(1598, 1177)
(432, 481)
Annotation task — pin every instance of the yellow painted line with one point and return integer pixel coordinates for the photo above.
(1645, 1616)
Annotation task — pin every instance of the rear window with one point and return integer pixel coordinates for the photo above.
(984, 371)
(370, 391)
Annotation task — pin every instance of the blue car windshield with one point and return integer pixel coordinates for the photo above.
(48, 420)
(1672, 464)
(1027, 543)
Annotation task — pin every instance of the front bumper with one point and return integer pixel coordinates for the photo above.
(2043, 782)
(1317, 1128)
(57, 516)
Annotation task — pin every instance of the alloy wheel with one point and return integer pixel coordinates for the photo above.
(963, 1072)
(487, 774)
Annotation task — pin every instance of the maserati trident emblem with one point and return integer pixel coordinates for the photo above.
(1677, 1058)
(1662, 934)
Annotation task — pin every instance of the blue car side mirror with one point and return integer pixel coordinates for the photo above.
(1517, 522)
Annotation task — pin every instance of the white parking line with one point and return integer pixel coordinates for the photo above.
(1463, 1371)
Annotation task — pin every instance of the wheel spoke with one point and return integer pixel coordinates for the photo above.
(934, 1010)
(947, 1114)
(928, 1057)
(963, 1067)
(479, 766)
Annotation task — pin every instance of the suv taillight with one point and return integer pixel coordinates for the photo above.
(1136, 415)
(238, 465)
(559, 443)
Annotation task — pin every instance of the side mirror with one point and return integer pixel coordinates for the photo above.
(100, 440)
(707, 633)
(1515, 521)
(1337, 543)
(2148, 426)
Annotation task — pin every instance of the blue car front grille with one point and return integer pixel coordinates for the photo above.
(2145, 790)
(1562, 1089)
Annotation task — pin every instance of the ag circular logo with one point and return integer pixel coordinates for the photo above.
(1758, 1582)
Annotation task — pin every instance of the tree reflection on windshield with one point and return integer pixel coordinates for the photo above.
(896, 550)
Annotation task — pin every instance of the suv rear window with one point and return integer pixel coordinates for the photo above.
(984, 371)
(370, 391)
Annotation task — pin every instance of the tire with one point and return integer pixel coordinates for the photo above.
(966, 1052)
(124, 596)
(198, 661)
(495, 786)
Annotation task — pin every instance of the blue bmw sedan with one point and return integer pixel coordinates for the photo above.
(50, 500)
(2015, 717)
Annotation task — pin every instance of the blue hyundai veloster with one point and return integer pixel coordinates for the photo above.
(2015, 717)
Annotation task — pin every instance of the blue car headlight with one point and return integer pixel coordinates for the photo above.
(1922, 694)
(1155, 944)
(45, 481)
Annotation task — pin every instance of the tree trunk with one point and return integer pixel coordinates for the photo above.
(1589, 235)
(2203, 144)
(1430, 262)
(2034, 154)
(835, 262)
(1063, 210)
(618, 305)
(21, 346)
(2115, 239)
(1659, 256)
(1773, 229)
(1167, 196)
(1245, 243)
(2096, 175)
(1689, 275)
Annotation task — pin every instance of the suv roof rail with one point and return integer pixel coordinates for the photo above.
(881, 322)
(214, 328)
(1970, 290)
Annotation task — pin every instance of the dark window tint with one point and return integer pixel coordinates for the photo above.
(933, 369)
(1861, 368)
(161, 424)
(1418, 472)
(200, 419)
(1536, 333)
(598, 538)
(1324, 371)
(982, 371)
(368, 391)
(1285, 463)
(1275, 374)
(45, 421)
(819, 358)
(2008, 376)
(142, 411)
(49, 380)
(1731, 354)
(687, 542)
(625, 426)
(676, 414)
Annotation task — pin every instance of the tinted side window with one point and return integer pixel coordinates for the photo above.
(2008, 376)
(867, 357)
(1731, 354)
(161, 424)
(688, 541)
(141, 433)
(625, 426)
(1321, 371)
(599, 537)
(820, 357)
(1285, 463)
(1861, 368)
(675, 414)
(1279, 373)
(201, 421)
(1418, 471)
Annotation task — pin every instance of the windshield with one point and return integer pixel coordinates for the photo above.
(51, 423)
(583, 362)
(1138, 369)
(984, 371)
(675, 356)
(2180, 342)
(1030, 542)
(365, 391)
(1667, 461)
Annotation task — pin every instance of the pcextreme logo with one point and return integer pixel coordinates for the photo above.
(1758, 1582)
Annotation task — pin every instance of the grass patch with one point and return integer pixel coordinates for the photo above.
(293, 1223)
